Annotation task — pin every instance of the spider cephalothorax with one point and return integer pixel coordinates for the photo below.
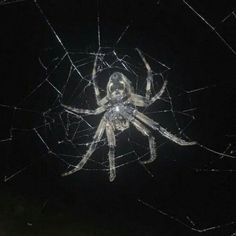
(118, 92)
(120, 107)
(118, 87)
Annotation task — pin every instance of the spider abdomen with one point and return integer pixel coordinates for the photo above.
(120, 124)
(116, 116)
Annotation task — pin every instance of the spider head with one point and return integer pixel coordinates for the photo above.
(118, 86)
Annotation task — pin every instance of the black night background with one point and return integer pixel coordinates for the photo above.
(187, 190)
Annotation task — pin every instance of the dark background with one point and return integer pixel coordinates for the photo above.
(38, 201)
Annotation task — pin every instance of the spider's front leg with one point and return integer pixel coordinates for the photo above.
(103, 101)
(149, 78)
(96, 138)
(148, 100)
(154, 125)
(141, 101)
(111, 155)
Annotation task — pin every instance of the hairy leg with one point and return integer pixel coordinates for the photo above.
(77, 111)
(111, 155)
(141, 101)
(96, 138)
(152, 144)
(154, 125)
(149, 78)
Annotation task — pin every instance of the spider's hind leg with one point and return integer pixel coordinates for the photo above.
(111, 155)
(96, 138)
(154, 125)
(152, 144)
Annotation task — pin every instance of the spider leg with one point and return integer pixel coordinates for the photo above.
(96, 138)
(141, 101)
(138, 100)
(154, 125)
(76, 111)
(159, 94)
(149, 75)
(152, 144)
(111, 144)
(99, 101)
(146, 101)
(95, 86)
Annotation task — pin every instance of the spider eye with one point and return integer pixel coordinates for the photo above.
(115, 76)
(111, 87)
(116, 86)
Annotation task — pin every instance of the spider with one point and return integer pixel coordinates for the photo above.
(119, 106)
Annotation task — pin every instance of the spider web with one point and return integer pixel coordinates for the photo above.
(35, 124)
